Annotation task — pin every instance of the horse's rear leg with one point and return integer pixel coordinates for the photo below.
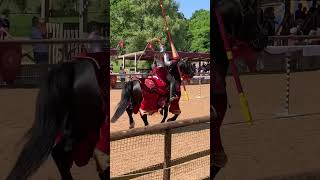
(165, 114)
(173, 118)
(214, 171)
(62, 160)
(145, 119)
(131, 121)
(218, 110)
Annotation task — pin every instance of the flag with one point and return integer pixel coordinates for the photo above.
(150, 46)
(121, 44)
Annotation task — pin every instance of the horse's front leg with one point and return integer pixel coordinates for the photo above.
(62, 160)
(145, 119)
(173, 118)
(165, 113)
(131, 121)
(103, 164)
(219, 108)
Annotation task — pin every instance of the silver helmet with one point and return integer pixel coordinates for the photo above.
(162, 48)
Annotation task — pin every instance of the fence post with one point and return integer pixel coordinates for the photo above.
(199, 84)
(167, 154)
(288, 71)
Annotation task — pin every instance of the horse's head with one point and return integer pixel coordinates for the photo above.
(186, 69)
(242, 21)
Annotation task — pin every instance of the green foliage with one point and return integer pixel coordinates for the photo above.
(22, 4)
(199, 27)
(5, 12)
(137, 21)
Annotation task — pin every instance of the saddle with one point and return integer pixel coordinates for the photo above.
(154, 84)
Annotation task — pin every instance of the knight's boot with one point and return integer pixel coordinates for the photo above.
(173, 94)
(104, 175)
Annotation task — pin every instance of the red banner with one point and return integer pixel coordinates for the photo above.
(10, 60)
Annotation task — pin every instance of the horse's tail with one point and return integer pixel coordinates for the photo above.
(50, 113)
(124, 102)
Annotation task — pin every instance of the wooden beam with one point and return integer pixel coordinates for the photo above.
(157, 128)
(47, 9)
(81, 12)
(135, 63)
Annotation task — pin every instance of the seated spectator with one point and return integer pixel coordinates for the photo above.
(122, 74)
(298, 13)
(94, 35)
(304, 13)
(4, 25)
(287, 23)
(40, 51)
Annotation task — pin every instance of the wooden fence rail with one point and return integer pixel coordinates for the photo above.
(165, 128)
(114, 136)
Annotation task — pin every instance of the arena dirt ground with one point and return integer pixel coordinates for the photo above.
(285, 148)
(17, 108)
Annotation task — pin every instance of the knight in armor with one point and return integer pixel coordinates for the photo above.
(163, 62)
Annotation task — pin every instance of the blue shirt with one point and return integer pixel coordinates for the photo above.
(36, 34)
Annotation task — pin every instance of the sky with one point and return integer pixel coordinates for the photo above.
(187, 7)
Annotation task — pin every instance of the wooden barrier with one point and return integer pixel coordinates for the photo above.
(114, 136)
(167, 130)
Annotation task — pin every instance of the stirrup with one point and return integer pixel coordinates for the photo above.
(174, 97)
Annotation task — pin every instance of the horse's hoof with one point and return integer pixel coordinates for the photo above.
(131, 125)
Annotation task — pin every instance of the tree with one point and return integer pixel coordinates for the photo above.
(199, 27)
(136, 21)
(22, 4)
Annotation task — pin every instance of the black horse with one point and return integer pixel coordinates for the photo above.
(241, 21)
(70, 104)
(132, 95)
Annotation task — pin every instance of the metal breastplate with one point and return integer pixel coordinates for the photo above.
(159, 63)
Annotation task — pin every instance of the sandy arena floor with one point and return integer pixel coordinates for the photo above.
(274, 147)
(17, 108)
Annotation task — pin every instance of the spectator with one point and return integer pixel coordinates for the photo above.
(311, 11)
(4, 24)
(95, 35)
(298, 13)
(5, 20)
(122, 74)
(260, 16)
(287, 23)
(40, 51)
(269, 21)
(304, 13)
(194, 67)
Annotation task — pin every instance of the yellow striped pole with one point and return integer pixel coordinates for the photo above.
(243, 99)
